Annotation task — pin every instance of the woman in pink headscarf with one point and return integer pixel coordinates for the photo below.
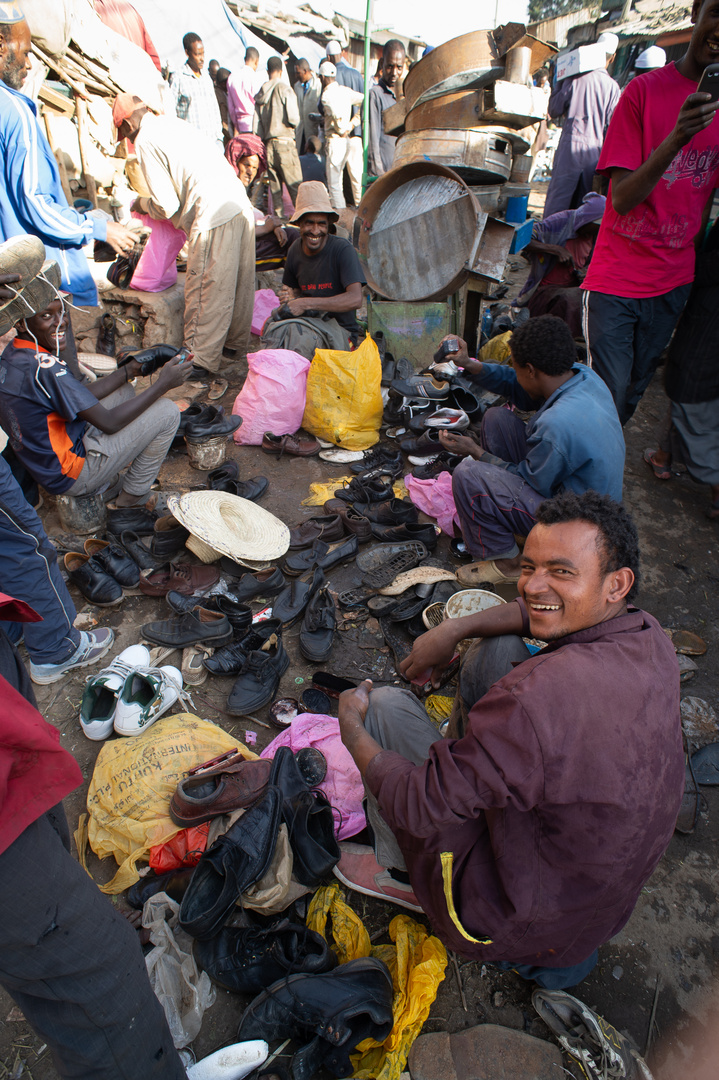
(247, 155)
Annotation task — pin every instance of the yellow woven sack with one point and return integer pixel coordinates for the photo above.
(344, 396)
(416, 961)
(497, 350)
(134, 779)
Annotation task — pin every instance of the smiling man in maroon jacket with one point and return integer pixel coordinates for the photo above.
(528, 839)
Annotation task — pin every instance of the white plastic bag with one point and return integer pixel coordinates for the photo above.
(181, 989)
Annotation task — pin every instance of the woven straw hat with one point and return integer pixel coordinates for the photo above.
(313, 198)
(233, 526)
(34, 296)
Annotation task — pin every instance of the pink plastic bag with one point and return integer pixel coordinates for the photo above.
(265, 303)
(343, 783)
(273, 397)
(434, 498)
(157, 268)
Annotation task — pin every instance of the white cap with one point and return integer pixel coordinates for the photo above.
(653, 57)
(328, 68)
(610, 43)
(333, 48)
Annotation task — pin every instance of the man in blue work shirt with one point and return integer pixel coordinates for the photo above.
(573, 442)
(31, 195)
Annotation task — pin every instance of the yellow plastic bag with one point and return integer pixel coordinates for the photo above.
(416, 961)
(344, 396)
(134, 779)
(497, 350)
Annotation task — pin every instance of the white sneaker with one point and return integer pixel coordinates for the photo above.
(147, 694)
(99, 700)
(231, 1062)
(340, 456)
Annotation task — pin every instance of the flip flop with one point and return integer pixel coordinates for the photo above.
(662, 472)
(421, 575)
(476, 573)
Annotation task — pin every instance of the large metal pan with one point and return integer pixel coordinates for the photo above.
(479, 157)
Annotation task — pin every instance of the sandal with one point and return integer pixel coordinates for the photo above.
(661, 472)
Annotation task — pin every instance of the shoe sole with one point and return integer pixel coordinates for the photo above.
(327, 569)
(376, 895)
(215, 642)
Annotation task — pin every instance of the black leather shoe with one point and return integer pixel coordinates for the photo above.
(150, 360)
(115, 561)
(391, 534)
(137, 550)
(323, 555)
(259, 678)
(168, 538)
(294, 598)
(309, 820)
(338, 1010)
(234, 862)
(376, 457)
(92, 580)
(252, 489)
(318, 627)
(106, 336)
(216, 478)
(192, 628)
(246, 960)
(264, 583)
(211, 426)
(136, 518)
(230, 659)
(424, 445)
(194, 413)
(360, 491)
(174, 884)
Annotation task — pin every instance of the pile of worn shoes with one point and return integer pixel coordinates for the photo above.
(203, 423)
(282, 962)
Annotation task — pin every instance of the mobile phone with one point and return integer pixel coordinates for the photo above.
(709, 82)
(184, 354)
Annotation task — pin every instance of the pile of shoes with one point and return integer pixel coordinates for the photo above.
(200, 423)
(102, 571)
(129, 695)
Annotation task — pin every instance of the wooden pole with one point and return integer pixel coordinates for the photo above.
(83, 139)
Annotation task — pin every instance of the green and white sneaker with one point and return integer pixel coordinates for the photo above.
(99, 701)
(147, 694)
(601, 1051)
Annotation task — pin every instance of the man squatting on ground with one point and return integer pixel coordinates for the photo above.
(573, 442)
(528, 837)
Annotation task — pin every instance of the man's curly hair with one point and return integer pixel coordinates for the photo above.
(619, 542)
(545, 342)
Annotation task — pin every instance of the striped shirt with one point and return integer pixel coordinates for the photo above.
(196, 101)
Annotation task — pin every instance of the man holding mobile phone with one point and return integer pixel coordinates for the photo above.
(661, 154)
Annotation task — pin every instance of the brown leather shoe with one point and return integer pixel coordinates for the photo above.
(353, 522)
(225, 783)
(184, 578)
(326, 528)
(298, 445)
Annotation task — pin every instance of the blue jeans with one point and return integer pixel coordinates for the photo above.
(29, 572)
(625, 339)
(551, 978)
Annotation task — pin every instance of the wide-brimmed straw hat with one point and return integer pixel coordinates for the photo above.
(34, 295)
(233, 526)
(313, 198)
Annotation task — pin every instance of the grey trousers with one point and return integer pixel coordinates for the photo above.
(74, 965)
(142, 444)
(398, 721)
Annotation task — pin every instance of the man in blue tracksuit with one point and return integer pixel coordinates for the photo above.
(31, 196)
(573, 442)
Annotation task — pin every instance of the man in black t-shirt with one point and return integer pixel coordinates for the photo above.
(322, 272)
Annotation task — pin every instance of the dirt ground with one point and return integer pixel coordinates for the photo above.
(670, 946)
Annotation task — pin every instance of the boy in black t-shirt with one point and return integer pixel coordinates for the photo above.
(322, 272)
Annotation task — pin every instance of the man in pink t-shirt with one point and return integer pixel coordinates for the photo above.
(661, 154)
(242, 89)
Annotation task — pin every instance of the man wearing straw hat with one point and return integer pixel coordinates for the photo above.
(192, 186)
(322, 272)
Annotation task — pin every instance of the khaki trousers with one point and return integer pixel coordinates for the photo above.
(220, 290)
(283, 166)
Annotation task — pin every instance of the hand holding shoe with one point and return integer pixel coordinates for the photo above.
(174, 373)
(432, 653)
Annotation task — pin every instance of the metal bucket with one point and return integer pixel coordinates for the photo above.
(82, 514)
(477, 156)
(207, 455)
(417, 232)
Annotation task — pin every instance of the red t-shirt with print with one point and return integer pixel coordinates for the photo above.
(650, 250)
